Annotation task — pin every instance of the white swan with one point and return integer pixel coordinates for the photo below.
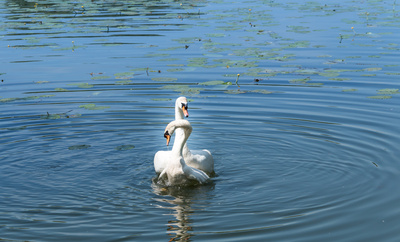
(176, 171)
(200, 159)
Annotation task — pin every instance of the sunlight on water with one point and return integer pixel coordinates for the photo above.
(297, 102)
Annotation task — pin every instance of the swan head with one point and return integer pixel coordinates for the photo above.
(167, 136)
(172, 126)
(182, 104)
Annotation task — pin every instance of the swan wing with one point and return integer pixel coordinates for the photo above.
(201, 159)
(161, 160)
(195, 174)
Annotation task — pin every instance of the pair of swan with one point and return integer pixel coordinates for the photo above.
(180, 165)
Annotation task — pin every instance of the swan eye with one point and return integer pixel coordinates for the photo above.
(166, 134)
(186, 106)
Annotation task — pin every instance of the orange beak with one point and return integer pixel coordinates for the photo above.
(185, 111)
(168, 137)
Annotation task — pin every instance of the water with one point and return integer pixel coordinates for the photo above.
(305, 148)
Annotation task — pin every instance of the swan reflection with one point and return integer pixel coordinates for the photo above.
(181, 202)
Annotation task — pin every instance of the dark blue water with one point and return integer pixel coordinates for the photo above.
(305, 146)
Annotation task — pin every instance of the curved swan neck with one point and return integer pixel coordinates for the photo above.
(182, 130)
(180, 140)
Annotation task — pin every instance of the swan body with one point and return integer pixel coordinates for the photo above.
(199, 159)
(176, 171)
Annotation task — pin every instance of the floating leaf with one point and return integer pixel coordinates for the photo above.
(79, 147)
(161, 99)
(216, 35)
(373, 69)
(175, 65)
(123, 82)
(388, 91)
(315, 84)
(81, 85)
(184, 89)
(124, 147)
(175, 69)
(197, 62)
(51, 116)
(100, 77)
(301, 80)
(61, 89)
(124, 75)
(339, 79)
(261, 91)
(234, 92)
(8, 99)
(298, 29)
(349, 90)
(164, 79)
(307, 72)
(329, 74)
(380, 97)
(92, 106)
(213, 83)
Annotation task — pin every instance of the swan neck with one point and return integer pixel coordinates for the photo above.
(178, 112)
(181, 135)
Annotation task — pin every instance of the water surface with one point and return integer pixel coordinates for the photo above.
(304, 138)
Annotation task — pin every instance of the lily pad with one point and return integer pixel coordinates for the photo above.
(100, 77)
(329, 74)
(81, 85)
(234, 92)
(92, 106)
(164, 79)
(60, 89)
(8, 99)
(261, 91)
(388, 91)
(300, 80)
(79, 147)
(124, 147)
(373, 69)
(213, 83)
(124, 75)
(380, 97)
(175, 69)
(123, 82)
(184, 89)
(161, 99)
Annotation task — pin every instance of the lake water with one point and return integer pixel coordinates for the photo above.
(305, 139)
